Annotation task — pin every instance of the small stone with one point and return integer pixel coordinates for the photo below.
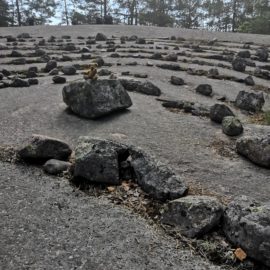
(146, 88)
(171, 57)
(33, 81)
(239, 64)
(16, 54)
(40, 147)
(193, 216)
(101, 37)
(262, 54)
(59, 79)
(213, 72)
(54, 72)
(54, 166)
(219, 111)
(204, 89)
(244, 54)
(50, 65)
(232, 126)
(104, 72)
(24, 35)
(249, 81)
(69, 70)
(177, 80)
(19, 83)
(141, 41)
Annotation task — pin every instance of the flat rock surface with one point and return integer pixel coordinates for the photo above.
(46, 224)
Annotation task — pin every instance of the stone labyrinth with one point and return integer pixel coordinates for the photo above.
(174, 128)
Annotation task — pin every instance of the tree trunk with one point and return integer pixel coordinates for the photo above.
(105, 8)
(234, 16)
(66, 12)
(18, 13)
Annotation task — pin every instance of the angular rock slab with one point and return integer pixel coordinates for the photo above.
(146, 88)
(247, 225)
(99, 161)
(40, 147)
(93, 99)
(193, 216)
(155, 178)
(219, 111)
(256, 149)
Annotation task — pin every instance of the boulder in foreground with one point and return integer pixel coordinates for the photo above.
(108, 162)
(256, 149)
(193, 215)
(41, 148)
(246, 225)
(93, 99)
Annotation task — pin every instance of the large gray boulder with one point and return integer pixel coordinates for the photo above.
(252, 102)
(40, 148)
(247, 225)
(146, 88)
(256, 149)
(193, 216)
(219, 111)
(108, 162)
(93, 99)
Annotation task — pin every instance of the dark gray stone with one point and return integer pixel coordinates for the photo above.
(219, 111)
(262, 54)
(246, 225)
(193, 216)
(59, 79)
(85, 50)
(16, 54)
(69, 47)
(244, 54)
(141, 41)
(17, 82)
(239, 64)
(204, 89)
(177, 80)
(171, 57)
(54, 166)
(252, 102)
(24, 35)
(40, 147)
(69, 70)
(104, 72)
(98, 161)
(50, 65)
(213, 72)
(256, 149)
(18, 61)
(33, 81)
(39, 52)
(54, 72)
(146, 88)
(155, 178)
(101, 37)
(93, 99)
(232, 126)
(249, 81)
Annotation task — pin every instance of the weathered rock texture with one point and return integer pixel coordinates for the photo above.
(247, 225)
(93, 99)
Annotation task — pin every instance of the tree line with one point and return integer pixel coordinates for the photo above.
(251, 16)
